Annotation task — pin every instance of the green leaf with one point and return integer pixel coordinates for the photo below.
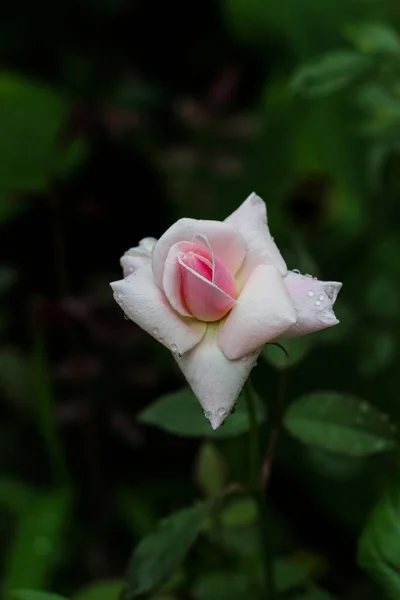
(289, 575)
(160, 553)
(10, 206)
(210, 471)
(180, 413)
(330, 73)
(33, 595)
(315, 593)
(374, 38)
(222, 585)
(100, 590)
(31, 116)
(297, 350)
(37, 542)
(14, 495)
(340, 423)
(379, 544)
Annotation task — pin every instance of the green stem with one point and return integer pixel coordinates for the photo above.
(258, 492)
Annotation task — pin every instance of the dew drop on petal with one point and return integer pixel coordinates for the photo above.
(208, 414)
(317, 303)
(310, 293)
(156, 331)
(126, 317)
(296, 271)
(222, 412)
(308, 275)
(321, 297)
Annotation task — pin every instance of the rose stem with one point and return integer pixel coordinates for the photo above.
(258, 492)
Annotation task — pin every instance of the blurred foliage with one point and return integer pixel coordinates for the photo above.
(117, 118)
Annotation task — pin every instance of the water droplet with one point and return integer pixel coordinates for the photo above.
(130, 269)
(160, 339)
(317, 303)
(310, 293)
(308, 275)
(126, 317)
(174, 347)
(255, 363)
(118, 296)
(273, 239)
(296, 271)
(321, 297)
(222, 412)
(208, 414)
(156, 331)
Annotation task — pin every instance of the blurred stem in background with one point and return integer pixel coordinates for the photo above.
(45, 413)
(258, 491)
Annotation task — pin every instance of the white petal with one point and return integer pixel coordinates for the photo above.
(144, 303)
(250, 219)
(216, 380)
(313, 301)
(134, 258)
(226, 242)
(262, 312)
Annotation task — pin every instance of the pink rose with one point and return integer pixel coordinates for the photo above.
(214, 293)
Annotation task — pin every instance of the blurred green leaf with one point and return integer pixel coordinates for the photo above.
(315, 593)
(33, 595)
(297, 349)
(15, 495)
(221, 585)
(100, 590)
(335, 466)
(329, 73)
(238, 512)
(180, 413)
(210, 470)
(340, 423)
(37, 541)
(136, 510)
(160, 553)
(379, 544)
(289, 575)
(374, 37)
(31, 116)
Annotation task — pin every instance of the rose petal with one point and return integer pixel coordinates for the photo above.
(250, 219)
(313, 301)
(134, 258)
(262, 312)
(172, 281)
(204, 299)
(226, 242)
(214, 379)
(144, 303)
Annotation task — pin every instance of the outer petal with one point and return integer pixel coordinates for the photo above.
(203, 298)
(144, 303)
(250, 219)
(134, 258)
(262, 312)
(226, 242)
(215, 380)
(313, 301)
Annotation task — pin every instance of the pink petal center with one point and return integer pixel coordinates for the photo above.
(208, 288)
